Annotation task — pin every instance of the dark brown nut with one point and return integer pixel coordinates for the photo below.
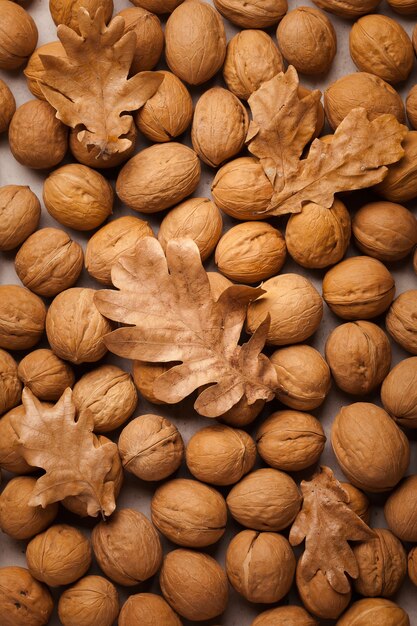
(359, 356)
(358, 502)
(411, 105)
(376, 466)
(149, 37)
(66, 11)
(45, 374)
(404, 7)
(319, 597)
(252, 14)
(194, 584)
(10, 385)
(399, 393)
(158, 6)
(144, 376)
(147, 609)
(189, 513)
(94, 158)
(242, 413)
(358, 288)
(151, 447)
(23, 600)
(7, 106)
(401, 510)
(20, 211)
(18, 36)
(400, 184)
(49, 262)
(34, 70)
(350, 9)
(11, 459)
(92, 600)
(412, 565)
(118, 541)
(265, 500)
(374, 611)
(401, 320)
(285, 616)
(290, 440)
(22, 318)
(253, 557)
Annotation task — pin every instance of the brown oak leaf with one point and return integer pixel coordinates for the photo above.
(174, 317)
(89, 87)
(327, 524)
(54, 440)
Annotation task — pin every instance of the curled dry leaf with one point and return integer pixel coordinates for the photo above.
(174, 317)
(89, 87)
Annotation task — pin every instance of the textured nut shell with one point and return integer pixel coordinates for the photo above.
(400, 184)
(319, 597)
(144, 376)
(158, 6)
(23, 600)
(399, 393)
(401, 510)
(358, 288)
(218, 284)
(412, 565)
(34, 70)
(66, 11)
(264, 500)
(401, 320)
(348, 8)
(158, 177)
(11, 459)
(147, 609)
(359, 356)
(404, 7)
(260, 566)
(358, 502)
(242, 413)
(195, 42)
(20, 211)
(290, 440)
(151, 447)
(194, 584)
(361, 90)
(370, 448)
(411, 106)
(252, 14)
(49, 262)
(374, 611)
(7, 106)
(18, 35)
(92, 600)
(45, 374)
(294, 305)
(93, 158)
(75, 328)
(149, 37)
(22, 318)
(10, 385)
(189, 513)
(285, 616)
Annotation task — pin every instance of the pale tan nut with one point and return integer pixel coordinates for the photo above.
(252, 14)
(34, 70)
(10, 385)
(7, 106)
(290, 440)
(94, 158)
(358, 288)
(242, 413)
(361, 90)
(198, 219)
(189, 513)
(20, 211)
(401, 510)
(194, 584)
(144, 375)
(319, 597)
(401, 320)
(303, 377)
(11, 459)
(349, 9)
(404, 7)
(23, 600)
(49, 262)
(399, 393)
(376, 467)
(318, 237)
(412, 565)
(66, 11)
(374, 611)
(22, 318)
(158, 6)
(359, 356)
(18, 35)
(379, 45)
(59, 556)
(400, 184)
(285, 616)
(149, 37)
(218, 284)
(220, 455)
(118, 541)
(295, 308)
(116, 239)
(411, 106)
(75, 328)
(92, 600)
(251, 252)
(45, 374)
(147, 609)
(158, 177)
(78, 197)
(358, 502)
(109, 394)
(151, 447)
(18, 519)
(265, 499)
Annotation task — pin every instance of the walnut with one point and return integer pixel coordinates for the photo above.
(92, 157)
(319, 597)
(92, 600)
(149, 37)
(45, 374)
(22, 318)
(147, 609)
(252, 14)
(403, 7)
(358, 502)
(399, 393)
(242, 413)
(20, 211)
(285, 616)
(400, 184)
(401, 510)
(151, 447)
(7, 106)
(189, 513)
(158, 6)
(218, 284)
(290, 440)
(11, 459)
(374, 611)
(66, 11)
(412, 565)
(23, 600)
(118, 541)
(411, 106)
(49, 262)
(350, 9)
(18, 37)
(34, 70)
(144, 376)
(401, 320)
(10, 385)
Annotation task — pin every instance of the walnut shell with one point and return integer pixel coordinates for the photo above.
(242, 413)
(149, 37)
(399, 393)
(7, 106)
(359, 356)
(93, 157)
(401, 510)
(195, 42)
(285, 616)
(147, 609)
(220, 455)
(23, 600)
(49, 262)
(361, 90)
(10, 385)
(411, 105)
(290, 440)
(92, 600)
(303, 377)
(75, 328)
(144, 376)
(158, 6)
(45, 374)
(18, 36)
(251, 252)
(319, 597)
(198, 219)
(218, 284)
(374, 611)
(350, 9)
(260, 566)
(168, 113)
(78, 197)
(34, 70)
(151, 447)
(189, 513)
(412, 565)
(400, 184)
(194, 584)
(118, 541)
(158, 177)
(358, 502)
(22, 318)
(401, 320)
(295, 308)
(358, 288)
(265, 499)
(66, 11)
(370, 448)
(252, 14)
(20, 211)
(11, 459)
(404, 7)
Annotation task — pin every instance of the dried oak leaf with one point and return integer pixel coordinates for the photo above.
(327, 524)
(282, 125)
(52, 438)
(175, 318)
(89, 87)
